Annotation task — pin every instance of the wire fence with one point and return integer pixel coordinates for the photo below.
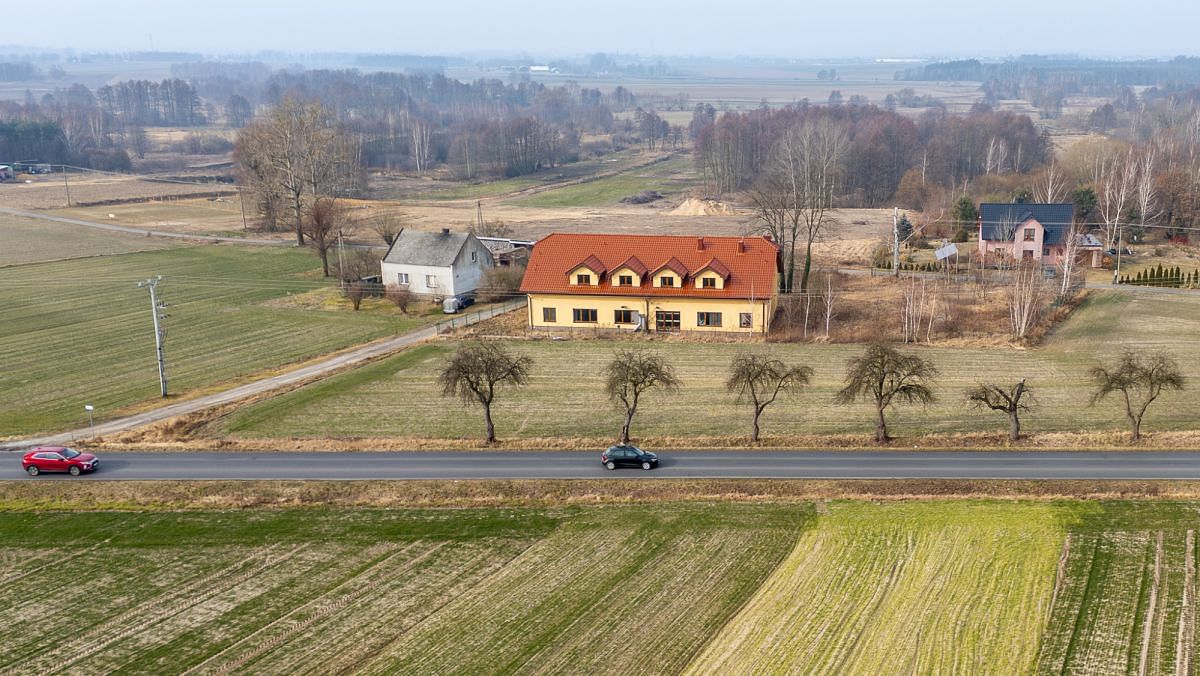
(468, 318)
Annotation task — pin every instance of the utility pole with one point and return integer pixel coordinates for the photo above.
(1117, 271)
(156, 311)
(66, 185)
(341, 263)
(895, 241)
(242, 203)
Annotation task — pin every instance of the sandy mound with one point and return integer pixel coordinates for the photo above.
(703, 207)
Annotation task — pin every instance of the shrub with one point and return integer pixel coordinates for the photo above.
(501, 283)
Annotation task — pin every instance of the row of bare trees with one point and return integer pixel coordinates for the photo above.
(881, 375)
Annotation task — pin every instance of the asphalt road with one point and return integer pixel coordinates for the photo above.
(678, 465)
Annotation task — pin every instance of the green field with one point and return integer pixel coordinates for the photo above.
(956, 588)
(80, 332)
(29, 240)
(565, 395)
(671, 176)
(847, 587)
(460, 591)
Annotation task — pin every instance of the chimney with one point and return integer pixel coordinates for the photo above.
(699, 244)
(741, 246)
(445, 231)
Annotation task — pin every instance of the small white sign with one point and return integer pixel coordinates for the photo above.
(946, 251)
(89, 407)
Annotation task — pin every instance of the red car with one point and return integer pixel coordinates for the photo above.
(58, 459)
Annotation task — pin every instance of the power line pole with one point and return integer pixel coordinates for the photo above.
(156, 311)
(1117, 271)
(66, 185)
(341, 263)
(895, 241)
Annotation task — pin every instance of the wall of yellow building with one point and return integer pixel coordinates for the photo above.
(761, 311)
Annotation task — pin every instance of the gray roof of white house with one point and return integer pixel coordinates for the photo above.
(435, 249)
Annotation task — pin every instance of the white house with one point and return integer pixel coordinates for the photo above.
(436, 264)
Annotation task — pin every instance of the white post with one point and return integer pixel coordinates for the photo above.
(1117, 271)
(91, 423)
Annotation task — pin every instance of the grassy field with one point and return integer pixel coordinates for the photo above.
(671, 176)
(79, 332)
(872, 590)
(481, 591)
(190, 216)
(564, 398)
(848, 587)
(28, 240)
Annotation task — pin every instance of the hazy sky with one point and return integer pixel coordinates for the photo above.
(799, 28)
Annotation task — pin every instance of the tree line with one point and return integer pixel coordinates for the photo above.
(882, 376)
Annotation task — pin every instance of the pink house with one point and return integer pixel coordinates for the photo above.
(1032, 231)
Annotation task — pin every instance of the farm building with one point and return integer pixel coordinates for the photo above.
(1033, 231)
(436, 264)
(653, 283)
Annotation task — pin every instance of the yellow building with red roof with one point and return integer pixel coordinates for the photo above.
(654, 283)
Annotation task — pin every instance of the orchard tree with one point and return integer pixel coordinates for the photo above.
(1139, 381)
(476, 370)
(632, 373)
(1008, 400)
(884, 375)
(759, 379)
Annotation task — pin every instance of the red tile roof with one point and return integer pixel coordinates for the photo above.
(749, 269)
(633, 263)
(716, 266)
(674, 265)
(591, 263)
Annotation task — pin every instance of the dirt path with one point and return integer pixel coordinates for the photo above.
(139, 231)
(310, 371)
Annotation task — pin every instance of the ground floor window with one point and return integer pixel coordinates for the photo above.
(431, 281)
(708, 319)
(549, 314)
(623, 317)
(1027, 254)
(583, 316)
(745, 320)
(666, 321)
(402, 278)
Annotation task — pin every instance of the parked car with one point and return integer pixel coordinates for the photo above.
(58, 459)
(628, 456)
(455, 304)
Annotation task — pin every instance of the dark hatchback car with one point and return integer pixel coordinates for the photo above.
(58, 459)
(628, 456)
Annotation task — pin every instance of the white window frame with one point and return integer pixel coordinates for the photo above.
(402, 278)
(431, 281)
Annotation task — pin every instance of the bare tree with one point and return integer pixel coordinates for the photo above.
(1026, 298)
(885, 375)
(388, 226)
(355, 291)
(476, 370)
(1010, 400)
(630, 374)
(400, 296)
(1068, 264)
(421, 133)
(325, 220)
(1117, 177)
(298, 152)
(1146, 189)
(828, 297)
(797, 187)
(1140, 381)
(759, 379)
(1049, 184)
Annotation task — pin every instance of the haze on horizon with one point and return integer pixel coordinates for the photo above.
(869, 28)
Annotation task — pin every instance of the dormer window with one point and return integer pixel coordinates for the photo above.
(666, 280)
(583, 279)
(708, 283)
(625, 280)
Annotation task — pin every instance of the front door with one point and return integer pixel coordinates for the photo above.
(666, 322)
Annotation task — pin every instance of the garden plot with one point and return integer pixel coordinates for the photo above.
(936, 587)
(1124, 602)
